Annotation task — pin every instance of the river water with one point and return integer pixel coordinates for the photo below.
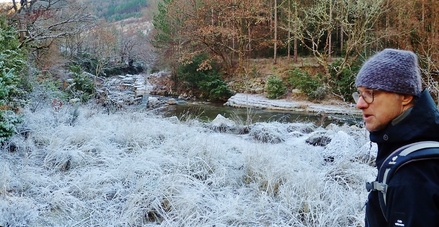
(206, 111)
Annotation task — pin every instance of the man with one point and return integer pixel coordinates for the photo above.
(397, 112)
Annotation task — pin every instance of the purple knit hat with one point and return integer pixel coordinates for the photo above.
(391, 70)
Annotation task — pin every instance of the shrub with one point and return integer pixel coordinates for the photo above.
(343, 84)
(275, 87)
(311, 86)
(83, 85)
(12, 63)
(45, 90)
(206, 83)
(217, 88)
(8, 122)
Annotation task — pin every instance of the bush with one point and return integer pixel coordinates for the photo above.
(275, 87)
(12, 63)
(83, 85)
(311, 86)
(217, 88)
(8, 122)
(206, 83)
(344, 84)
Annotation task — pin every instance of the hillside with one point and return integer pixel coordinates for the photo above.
(117, 10)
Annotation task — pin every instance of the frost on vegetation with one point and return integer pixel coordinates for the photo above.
(138, 169)
(268, 132)
(18, 211)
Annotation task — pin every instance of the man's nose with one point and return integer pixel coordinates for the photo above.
(361, 104)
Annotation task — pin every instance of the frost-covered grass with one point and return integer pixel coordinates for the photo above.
(137, 169)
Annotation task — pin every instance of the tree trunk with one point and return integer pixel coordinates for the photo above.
(289, 30)
(330, 31)
(296, 16)
(341, 38)
(275, 33)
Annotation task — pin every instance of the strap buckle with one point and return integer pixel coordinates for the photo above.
(376, 186)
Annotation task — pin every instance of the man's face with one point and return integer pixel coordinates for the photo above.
(381, 108)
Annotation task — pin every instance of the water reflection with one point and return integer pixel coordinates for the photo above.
(208, 111)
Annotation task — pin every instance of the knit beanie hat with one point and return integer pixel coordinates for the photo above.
(391, 70)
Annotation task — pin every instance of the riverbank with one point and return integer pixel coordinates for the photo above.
(144, 89)
(241, 100)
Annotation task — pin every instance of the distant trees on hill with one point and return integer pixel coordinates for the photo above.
(122, 10)
(117, 10)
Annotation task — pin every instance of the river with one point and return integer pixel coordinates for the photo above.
(206, 111)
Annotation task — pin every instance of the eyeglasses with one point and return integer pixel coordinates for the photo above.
(367, 95)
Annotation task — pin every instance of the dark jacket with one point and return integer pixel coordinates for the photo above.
(413, 192)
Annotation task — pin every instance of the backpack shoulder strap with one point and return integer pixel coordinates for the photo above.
(423, 150)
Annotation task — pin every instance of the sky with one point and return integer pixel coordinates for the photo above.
(5, 0)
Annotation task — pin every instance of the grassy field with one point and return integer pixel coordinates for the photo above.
(80, 166)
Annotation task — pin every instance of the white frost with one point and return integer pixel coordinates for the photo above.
(137, 169)
(261, 102)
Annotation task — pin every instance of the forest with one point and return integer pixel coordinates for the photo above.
(211, 48)
(337, 35)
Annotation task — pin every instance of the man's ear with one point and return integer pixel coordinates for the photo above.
(407, 99)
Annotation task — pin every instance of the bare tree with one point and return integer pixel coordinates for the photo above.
(314, 23)
(44, 25)
(101, 46)
(40, 22)
(317, 27)
(357, 20)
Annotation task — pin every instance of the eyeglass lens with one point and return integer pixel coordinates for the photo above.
(367, 96)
